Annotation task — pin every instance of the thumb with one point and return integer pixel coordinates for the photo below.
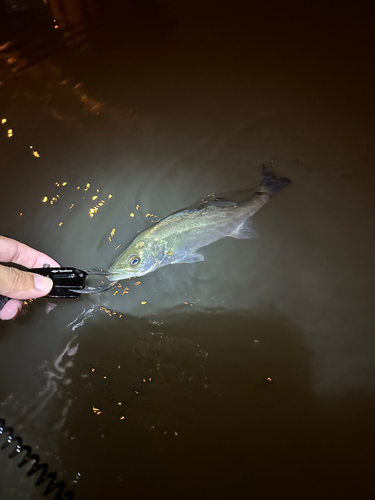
(22, 285)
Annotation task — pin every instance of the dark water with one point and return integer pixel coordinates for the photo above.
(248, 375)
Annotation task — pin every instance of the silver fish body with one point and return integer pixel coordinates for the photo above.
(177, 238)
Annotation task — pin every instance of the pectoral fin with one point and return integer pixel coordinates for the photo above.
(189, 259)
(244, 231)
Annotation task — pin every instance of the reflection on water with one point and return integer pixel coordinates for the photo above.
(195, 380)
(82, 317)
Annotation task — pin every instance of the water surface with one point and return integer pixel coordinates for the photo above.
(249, 374)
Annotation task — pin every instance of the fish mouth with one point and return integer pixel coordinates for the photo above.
(119, 275)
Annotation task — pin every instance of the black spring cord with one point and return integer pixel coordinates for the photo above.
(53, 486)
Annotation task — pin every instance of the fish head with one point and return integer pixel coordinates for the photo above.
(137, 260)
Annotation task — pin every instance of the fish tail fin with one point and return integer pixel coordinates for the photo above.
(271, 183)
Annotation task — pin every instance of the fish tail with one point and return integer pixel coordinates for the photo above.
(271, 183)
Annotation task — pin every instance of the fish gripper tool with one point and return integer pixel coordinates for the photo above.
(68, 282)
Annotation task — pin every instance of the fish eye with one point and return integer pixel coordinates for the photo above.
(134, 260)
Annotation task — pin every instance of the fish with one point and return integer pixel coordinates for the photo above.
(177, 238)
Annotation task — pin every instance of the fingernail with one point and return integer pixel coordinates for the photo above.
(11, 309)
(13, 314)
(42, 283)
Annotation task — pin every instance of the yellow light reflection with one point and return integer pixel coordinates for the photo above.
(3, 120)
(54, 199)
(10, 132)
(131, 214)
(61, 223)
(36, 154)
(144, 302)
(108, 311)
(112, 234)
(93, 210)
(96, 410)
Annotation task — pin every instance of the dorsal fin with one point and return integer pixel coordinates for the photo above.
(214, 201)
(221, 201)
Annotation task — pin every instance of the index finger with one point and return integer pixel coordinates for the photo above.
(19, 253)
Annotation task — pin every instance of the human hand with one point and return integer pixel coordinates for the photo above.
(21, 285)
